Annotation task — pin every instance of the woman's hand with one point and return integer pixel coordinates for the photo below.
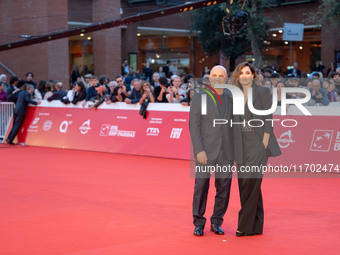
(265, 140)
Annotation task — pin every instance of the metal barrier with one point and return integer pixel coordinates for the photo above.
(6, 114)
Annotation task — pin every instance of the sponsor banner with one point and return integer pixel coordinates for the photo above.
(161, 134)
(314, 140)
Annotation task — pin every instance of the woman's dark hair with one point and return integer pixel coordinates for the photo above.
(188, 93)
(236, 74)
(21, 83)
(41, 86)
(13, 80)
(48, 86)
(187, 78)
(102, 79)
(81, 85)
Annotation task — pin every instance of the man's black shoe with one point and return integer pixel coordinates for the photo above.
(198, 231)
(217, 229)
(9, 142)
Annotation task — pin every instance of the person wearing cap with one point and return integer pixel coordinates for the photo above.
(87, 79)
(293, 82)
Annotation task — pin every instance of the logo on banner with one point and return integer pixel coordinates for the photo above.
(33, 127)
(156, 121)
(321, 140)
(85, 127)
(47, 125)
(176, 133)
(35, 122)
(285, 139)
(64, 126)
(114, 131)
(152, 131)
(104, 130)
(180, 120)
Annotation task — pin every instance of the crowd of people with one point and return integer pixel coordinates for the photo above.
(167, 86)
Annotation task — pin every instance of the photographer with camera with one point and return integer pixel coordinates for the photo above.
(319, 95)
(176, 94)
(147, 97)
(136, 94)
(121, 91)
(161, 90)
(146, 91)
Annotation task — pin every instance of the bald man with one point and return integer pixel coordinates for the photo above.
(213, 149)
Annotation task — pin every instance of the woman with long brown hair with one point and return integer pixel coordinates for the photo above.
(253, 145)
(147, 93)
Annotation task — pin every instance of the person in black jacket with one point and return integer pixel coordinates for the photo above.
(59, 94)
(12, 86)
(24, 98)
(160, 91)
(100, 97)
(80, 92)
(14, 94)
(29, 79)
(253, 144)
(212, 147)
(135, 95)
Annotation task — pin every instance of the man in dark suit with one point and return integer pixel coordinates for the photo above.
(24, 98)
(295, 71)
(213, 146)
(16, 91)
(59, 94)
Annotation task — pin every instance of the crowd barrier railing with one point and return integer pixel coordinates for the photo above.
(6, 114)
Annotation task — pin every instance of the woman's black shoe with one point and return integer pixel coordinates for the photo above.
(239, 234)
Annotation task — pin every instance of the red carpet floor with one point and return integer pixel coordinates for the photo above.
(55, 201)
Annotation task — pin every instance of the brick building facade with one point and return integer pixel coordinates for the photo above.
(158, 39)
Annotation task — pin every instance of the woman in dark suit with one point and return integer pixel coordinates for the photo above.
(253, 146)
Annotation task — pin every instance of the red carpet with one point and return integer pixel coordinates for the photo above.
(55, 201)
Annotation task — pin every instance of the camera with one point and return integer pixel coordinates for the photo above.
(234, 24)
(142, 110)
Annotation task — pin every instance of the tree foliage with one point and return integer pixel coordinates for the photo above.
(208, 21)
(328, 12)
